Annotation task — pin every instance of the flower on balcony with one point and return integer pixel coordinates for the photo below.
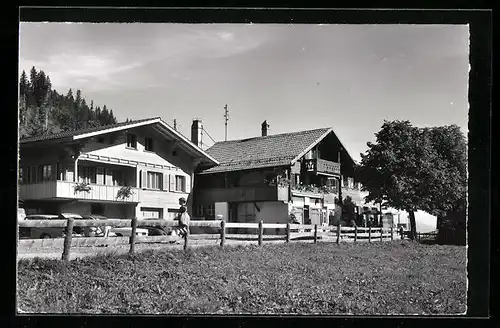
(124, 192)
(315, 189)
(277, 180)
(82, 186)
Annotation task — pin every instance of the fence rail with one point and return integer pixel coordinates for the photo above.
(292, 232)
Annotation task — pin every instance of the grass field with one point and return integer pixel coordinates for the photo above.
(380, 278)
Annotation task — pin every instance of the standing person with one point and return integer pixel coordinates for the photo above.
(182, 229)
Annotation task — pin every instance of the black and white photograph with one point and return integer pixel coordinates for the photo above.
(242, 169)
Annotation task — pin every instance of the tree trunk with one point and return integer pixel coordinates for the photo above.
(440, 230)
(413, 225)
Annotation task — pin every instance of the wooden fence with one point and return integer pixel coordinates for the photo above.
(292, 231)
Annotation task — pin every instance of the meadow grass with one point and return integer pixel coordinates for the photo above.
(397, 277)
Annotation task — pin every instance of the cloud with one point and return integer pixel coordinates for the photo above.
(88, 71)
(99, 56)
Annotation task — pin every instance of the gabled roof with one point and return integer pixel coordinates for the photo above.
(71, 134)
(100, 130)
(260, 152)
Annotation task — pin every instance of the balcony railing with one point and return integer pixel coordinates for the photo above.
(66, 189)
(318, 165)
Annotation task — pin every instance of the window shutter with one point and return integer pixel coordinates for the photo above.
(187, 184)
(165, 181)
(144, 183)
(172, 182)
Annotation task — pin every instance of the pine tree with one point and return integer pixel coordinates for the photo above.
(104, 119)
(112, 118)
(23, 97)
(43, 110)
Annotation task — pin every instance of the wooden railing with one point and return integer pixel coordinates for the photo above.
(319, 165)
(66, 189)
(292, 231)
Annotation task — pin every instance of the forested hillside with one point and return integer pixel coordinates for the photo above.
(43, 110)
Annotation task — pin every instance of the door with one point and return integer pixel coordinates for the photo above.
(307, 219)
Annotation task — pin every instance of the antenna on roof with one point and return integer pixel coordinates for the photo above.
(226, 117)
(175, 124)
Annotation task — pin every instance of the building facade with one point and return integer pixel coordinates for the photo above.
(133, 169)
(299, 176)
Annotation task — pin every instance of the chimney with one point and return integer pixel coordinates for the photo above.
(196, 128)
(264, 126)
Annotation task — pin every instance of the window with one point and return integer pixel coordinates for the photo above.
(148, 144)
(297, 178)
(46, 172)
(205, 210)
(100, 139)
(209, 210)
(332, 182)
(87, 174)
(131, 140)
(199, 210)
(154, 180)
(180, 183)
(117, 178)
(350, 182)
(21, 175)
(152, 213)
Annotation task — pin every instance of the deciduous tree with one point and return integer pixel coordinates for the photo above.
(411, 168)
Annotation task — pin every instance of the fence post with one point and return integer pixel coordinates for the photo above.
(222, 233)
(338, 233)
(132, 236)
(315, 233)
(355, 233)
(392, 233)
(369, 234)
(186, 238)
(288, 230)
(381, 234)
(261, 232)
(67, 239)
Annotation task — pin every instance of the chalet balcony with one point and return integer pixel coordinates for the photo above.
(319, 166)
(243, 194)
(66, 190)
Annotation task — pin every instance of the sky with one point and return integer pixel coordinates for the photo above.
(297, 77)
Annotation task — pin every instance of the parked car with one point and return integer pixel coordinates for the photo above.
(21, 215)
(127, 231)
(103, 231)
(156, 231)
(49, 232)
